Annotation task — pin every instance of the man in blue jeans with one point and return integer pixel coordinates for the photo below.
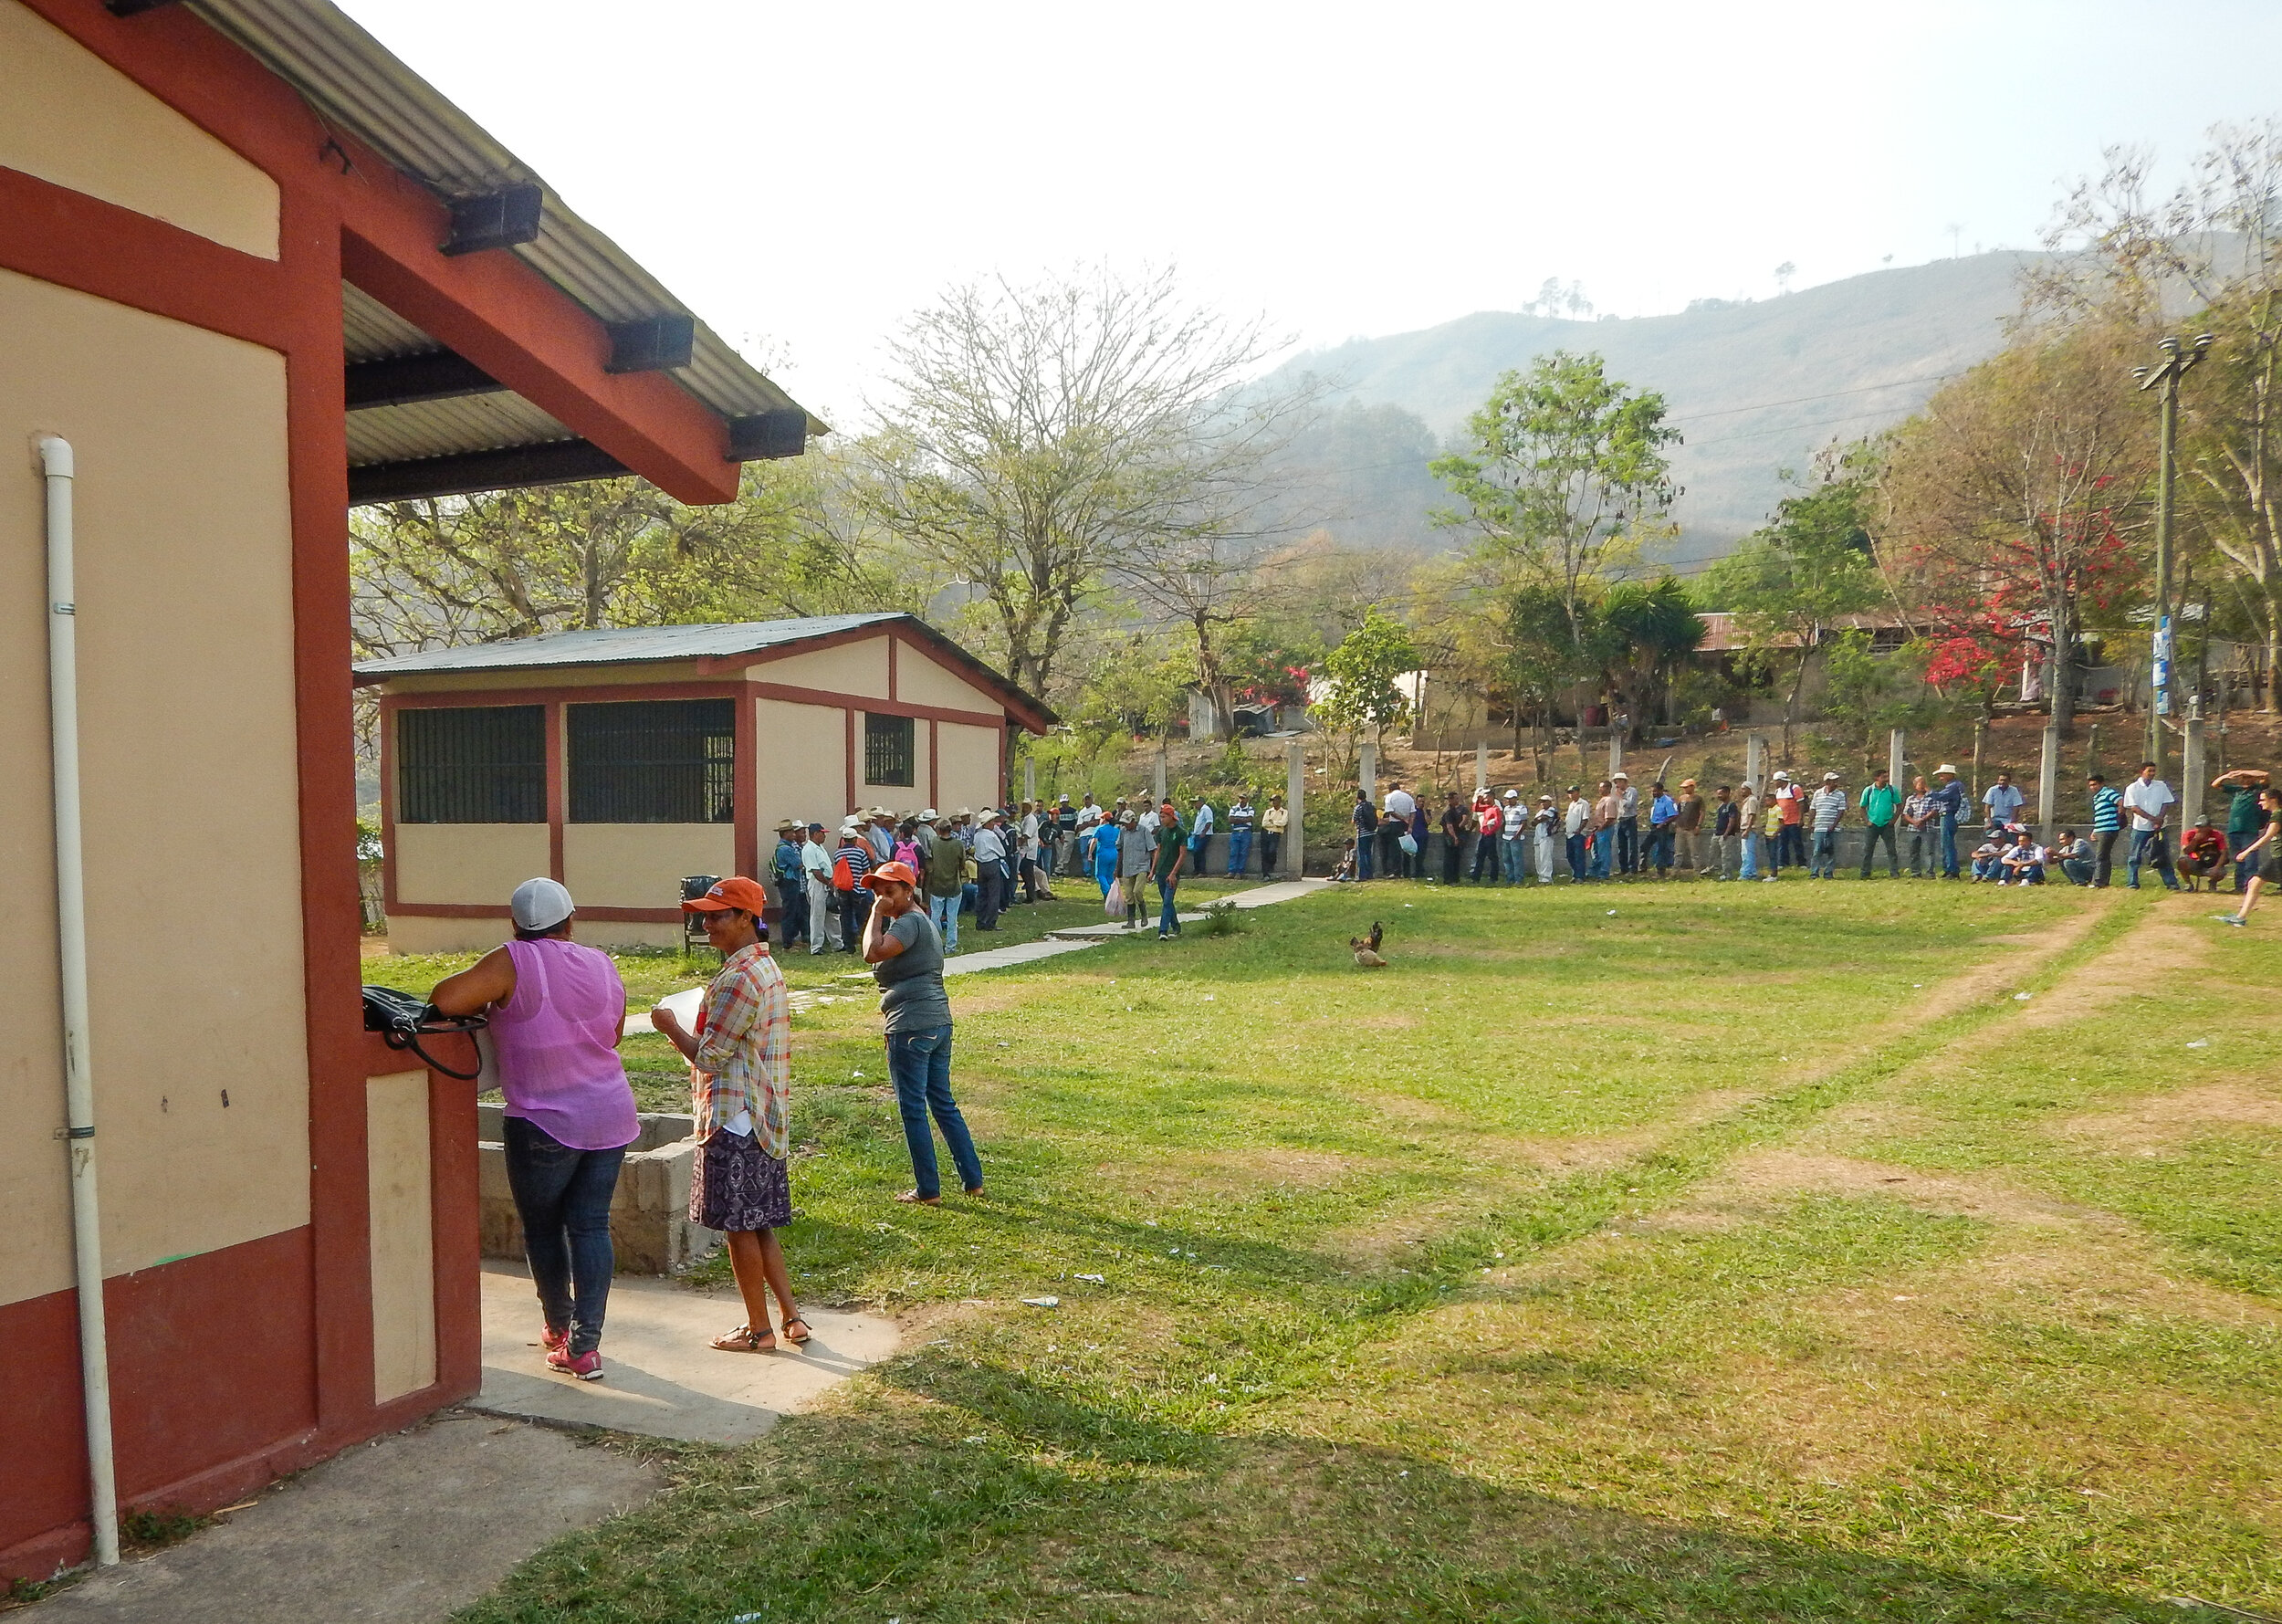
(1948, 799)
(1240, 835)
(906, 955)
(1364, 817)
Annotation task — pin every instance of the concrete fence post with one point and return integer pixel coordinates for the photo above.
(1755, 763)
(1898, 758)
(1367, 771)
(2191, 772)
(1295, 803)
(1156, 774)
(2048, 782)
(1481, 768)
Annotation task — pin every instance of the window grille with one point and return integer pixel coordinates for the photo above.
(890, 750)
(471, 764)
(653, 762)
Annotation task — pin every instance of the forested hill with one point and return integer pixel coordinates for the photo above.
(1754, 387)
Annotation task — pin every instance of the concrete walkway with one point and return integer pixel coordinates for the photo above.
(660, 1376)
(1073, 937)
(405, 1530)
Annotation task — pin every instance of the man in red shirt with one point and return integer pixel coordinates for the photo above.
(2202, 854)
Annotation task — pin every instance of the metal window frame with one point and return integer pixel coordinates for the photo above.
(487, 764)
(650, 761)
(891, 749)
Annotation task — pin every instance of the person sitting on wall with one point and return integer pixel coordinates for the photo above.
(557, 1009)
(740, 1077)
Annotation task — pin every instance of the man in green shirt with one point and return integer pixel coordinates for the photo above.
(1882, 811)
(1172, 852)
(2246, 819)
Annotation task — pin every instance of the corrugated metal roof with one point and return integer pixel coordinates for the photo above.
(356, 83)
(445, 427)
(619, 646)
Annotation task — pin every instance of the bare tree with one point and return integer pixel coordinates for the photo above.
(1036, 435)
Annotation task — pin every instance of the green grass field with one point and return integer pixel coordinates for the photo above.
(1644, 1252)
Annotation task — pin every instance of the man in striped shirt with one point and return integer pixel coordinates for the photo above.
(2107, 826)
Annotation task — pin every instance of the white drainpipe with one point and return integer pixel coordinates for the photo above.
(86, 1225)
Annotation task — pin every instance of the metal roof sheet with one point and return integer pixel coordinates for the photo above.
(620, 645)
(354, 81)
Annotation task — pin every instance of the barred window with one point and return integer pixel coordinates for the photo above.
(471, 764)
(653, 762)
(890, 750)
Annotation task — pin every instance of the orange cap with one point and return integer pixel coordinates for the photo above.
(736, 892)
(898, 872)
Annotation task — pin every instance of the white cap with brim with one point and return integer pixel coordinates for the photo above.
(539, 905)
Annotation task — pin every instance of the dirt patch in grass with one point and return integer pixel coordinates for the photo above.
(2165, 1119)
(2003, 976)
(2151, 954)
(1764, 1176)
(1226, 1174)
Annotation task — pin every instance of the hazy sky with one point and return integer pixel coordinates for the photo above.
(805, 176)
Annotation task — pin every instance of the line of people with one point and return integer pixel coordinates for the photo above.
(1620, 833)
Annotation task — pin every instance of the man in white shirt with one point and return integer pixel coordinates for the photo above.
(1628, 825)
(1200, 835)
(1241, 817)
(990, 870)
(1541, 827)
(1576, 819)
(824, 934)
(1032, 889)
(1400, 801)
(2147, 803)
(1512, 831)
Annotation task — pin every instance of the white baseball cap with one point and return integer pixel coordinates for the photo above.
(539, 905)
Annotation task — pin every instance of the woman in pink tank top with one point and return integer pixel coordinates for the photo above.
(556, 1012)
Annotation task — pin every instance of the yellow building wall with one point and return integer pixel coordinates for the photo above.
(801, 765)
(70, 118)
(969, 772)
(191, 820)
(641, 865)
(403, 1235)
(920, 680)
(467, 862)
(858, 667)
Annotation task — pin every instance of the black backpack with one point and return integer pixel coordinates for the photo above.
(402, 1020)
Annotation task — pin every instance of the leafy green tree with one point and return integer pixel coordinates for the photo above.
(1363, 672)
(1563, 477)
(1788, 582)
(1650, 629)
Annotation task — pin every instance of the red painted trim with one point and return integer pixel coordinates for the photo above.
(934, 763)
(825, 696)
(923, 637)
(455, 1179)
(491, 307)
(745, 805)
(67, 237)
(592, 694)
(850, 716)
(556, 771)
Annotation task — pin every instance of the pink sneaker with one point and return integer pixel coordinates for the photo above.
(586, 1367)
(550, 1340)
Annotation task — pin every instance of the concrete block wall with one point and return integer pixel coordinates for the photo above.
(649, 1215)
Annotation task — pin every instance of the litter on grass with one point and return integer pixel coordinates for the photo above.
(2022, 998)
(1096, 1279)
(2200, 1043)
(1041, 1301)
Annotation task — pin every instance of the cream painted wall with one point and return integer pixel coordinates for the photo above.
(402, 1234)
(902, 798)
(920, 680)
(189, 764)
(970, 773)
(467, 862)
(858, 667)
(417, 933)
(70, 118)
(801, 766)
(641, 865)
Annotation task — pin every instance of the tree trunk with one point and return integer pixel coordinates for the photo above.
(2060, 671)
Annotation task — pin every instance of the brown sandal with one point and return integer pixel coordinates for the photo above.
(785, 1330)
(912, 1198)
(745, 1340)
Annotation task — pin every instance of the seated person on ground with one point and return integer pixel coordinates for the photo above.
(2074, 854)
(1985, 859)
(2202, 854)
(2024, 861)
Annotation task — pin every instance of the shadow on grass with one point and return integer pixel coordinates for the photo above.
(1057, 1510)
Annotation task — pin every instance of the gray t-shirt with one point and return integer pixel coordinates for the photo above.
(911, 983)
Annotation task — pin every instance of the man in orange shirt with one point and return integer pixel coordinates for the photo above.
(1790, 809)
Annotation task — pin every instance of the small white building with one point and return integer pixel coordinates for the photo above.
(620, 761)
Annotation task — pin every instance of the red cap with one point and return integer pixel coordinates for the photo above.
(736, 892)
(898, 872)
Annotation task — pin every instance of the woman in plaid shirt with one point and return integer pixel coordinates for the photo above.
(741, 1057)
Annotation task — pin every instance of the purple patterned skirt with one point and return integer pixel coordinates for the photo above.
(737, 1185)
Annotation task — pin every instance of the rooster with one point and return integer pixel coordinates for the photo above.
(1366, 955)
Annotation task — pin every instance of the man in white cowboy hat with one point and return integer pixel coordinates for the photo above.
(1948, 799)
(1628, 824)
(824, 933)
(1542, 823)
(1828, 809)
(990, 868)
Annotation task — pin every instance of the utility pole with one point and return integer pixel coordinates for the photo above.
(2177, 363)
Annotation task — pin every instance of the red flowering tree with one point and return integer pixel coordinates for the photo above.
(2011, 508)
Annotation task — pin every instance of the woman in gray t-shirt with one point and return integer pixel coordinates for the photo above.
(906, 954)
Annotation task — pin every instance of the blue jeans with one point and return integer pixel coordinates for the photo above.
(1948, 845)
(1627, 845)
(1240, 851)
(563, 1198)
(855, 910)
(1750, 870)
(944, 911)
(2141, 841)
(1658, 852)
(1168, 918)
(1826, 864)
(1513, 854)
(1603, 841)
(1574, 848)
(919, 1064)
(1363, 844)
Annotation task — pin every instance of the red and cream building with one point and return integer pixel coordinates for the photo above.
(252, 269)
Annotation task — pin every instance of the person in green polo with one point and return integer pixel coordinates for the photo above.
(1881, 813)
(1166, 867)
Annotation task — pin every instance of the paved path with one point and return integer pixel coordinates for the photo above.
(405, 1530)
(1074, 937)
(659, 1375)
